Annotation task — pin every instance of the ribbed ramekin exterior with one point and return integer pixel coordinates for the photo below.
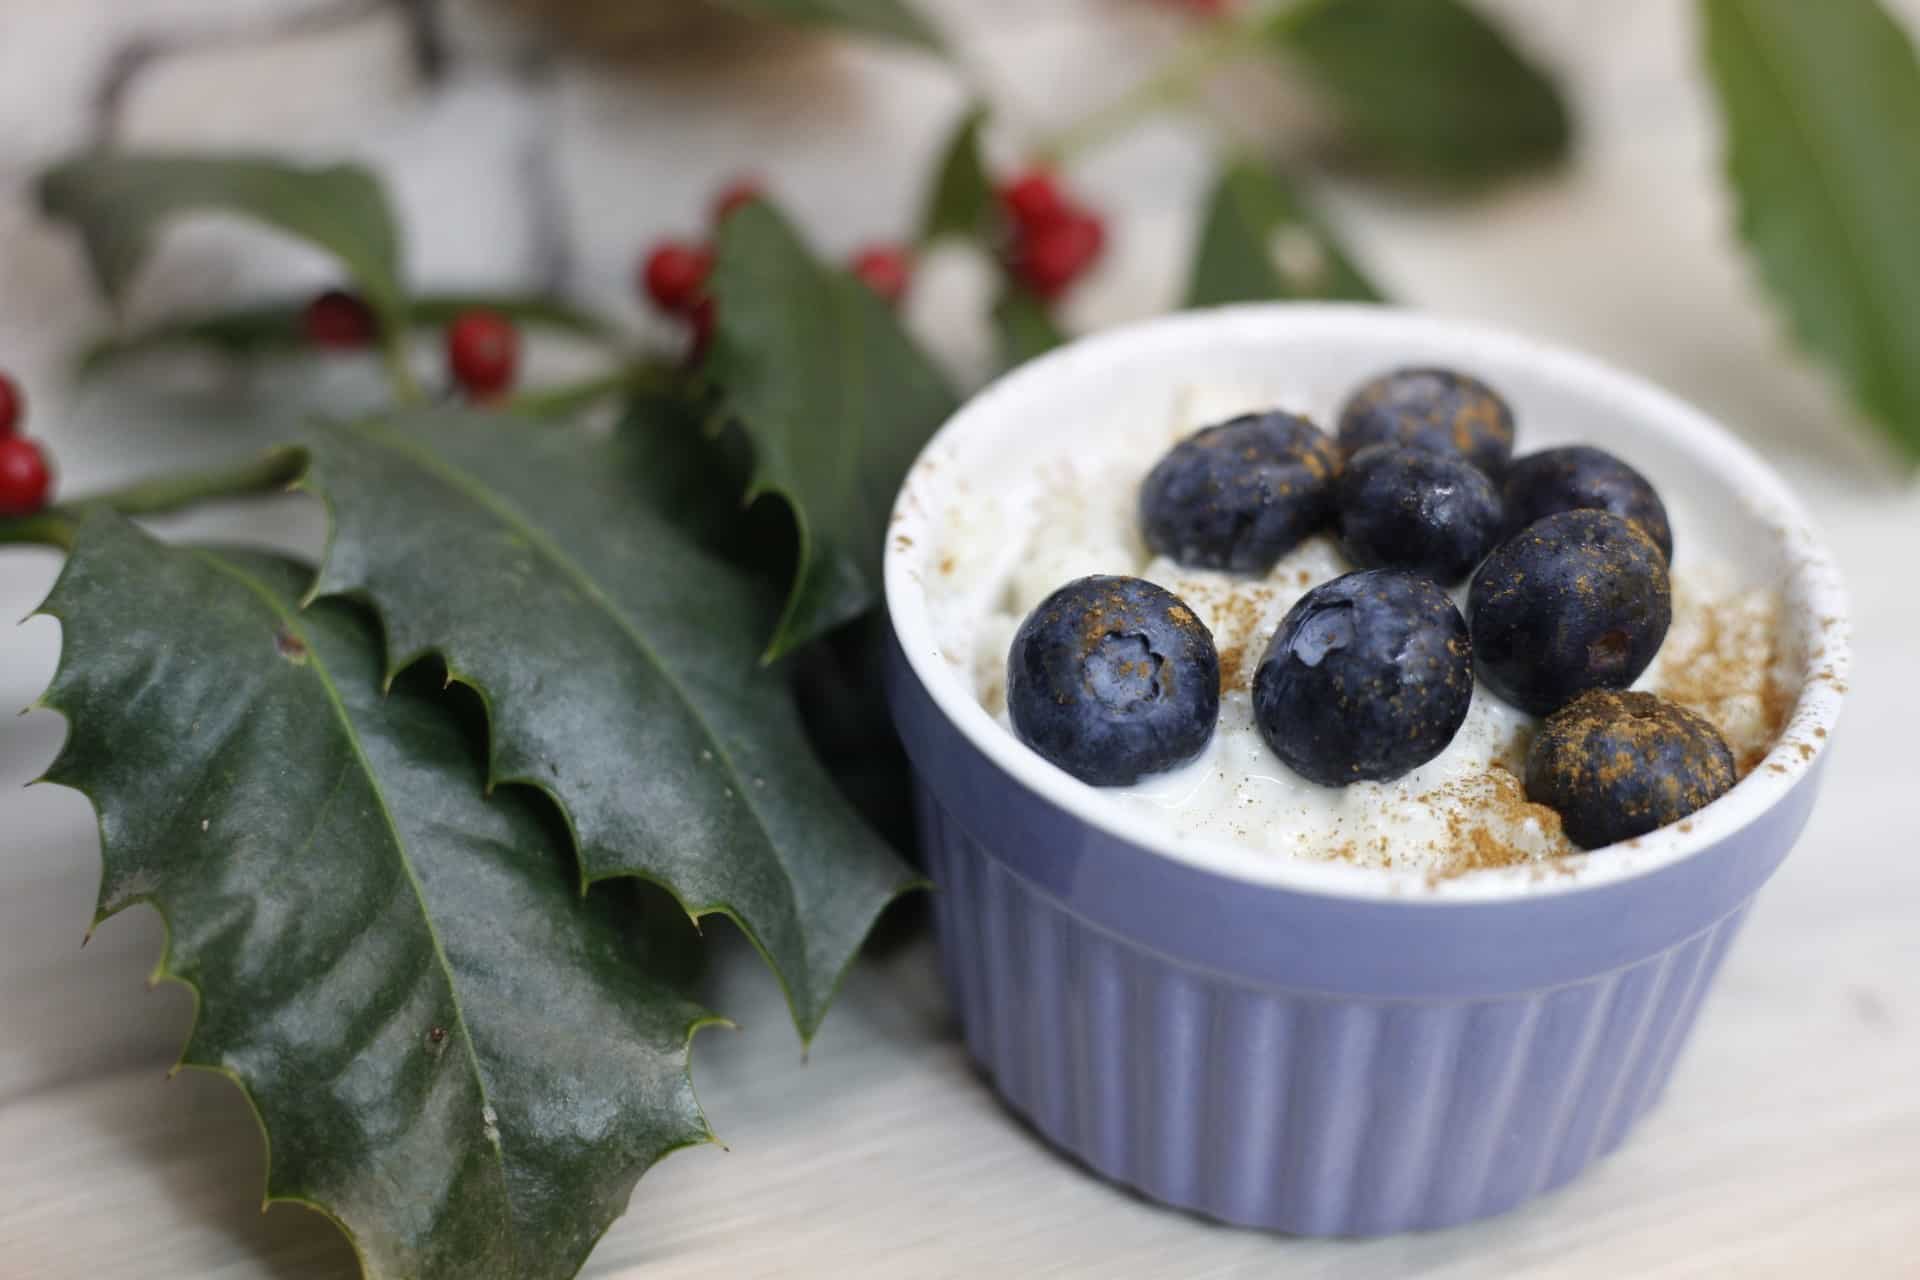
(1294, 1111)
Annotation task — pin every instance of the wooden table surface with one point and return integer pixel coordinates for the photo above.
(1788, 1145)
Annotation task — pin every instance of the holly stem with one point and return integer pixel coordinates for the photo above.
(1219, 44)
(562, 401)
(50, 528)
(395, 351)
(271, 472)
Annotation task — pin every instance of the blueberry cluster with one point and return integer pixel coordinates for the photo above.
(1371, 675)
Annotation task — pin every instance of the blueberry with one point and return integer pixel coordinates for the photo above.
(1112, 678)
(1582, 476)
(1618, 765)
(1370, 675)
(1577, 601)
(1431, 513)
(1435, 409)
(1241, 494)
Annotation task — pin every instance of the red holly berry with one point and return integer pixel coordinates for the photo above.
(1033, 200)
(483, 352)
(13, 405)
(24, 477)
(1053, 256)
(675, 275)
(338, 321)
(736, 195)
(885, 269)
(1093, 228)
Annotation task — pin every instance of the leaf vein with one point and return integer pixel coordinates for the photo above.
(325, 677)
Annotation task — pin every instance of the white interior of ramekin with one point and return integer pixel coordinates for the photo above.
(1728, 505)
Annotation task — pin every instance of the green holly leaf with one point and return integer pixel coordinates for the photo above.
(120, 201)
(451, 1054)
(890, 19)
(617, 657)
(1025, 327)
(1822, 105)
(837, 400)
(962, 202)
(1260, 242)
(277, 328)
(1427, 90)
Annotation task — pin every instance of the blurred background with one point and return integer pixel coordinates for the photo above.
(543, 146)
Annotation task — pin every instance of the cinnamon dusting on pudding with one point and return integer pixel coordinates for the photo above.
(1233, 661)
(1464, 812)
(1492, 824)
(1722, 659)
(1238, 619)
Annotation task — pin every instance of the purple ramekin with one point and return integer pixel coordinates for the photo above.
(1311, 1047)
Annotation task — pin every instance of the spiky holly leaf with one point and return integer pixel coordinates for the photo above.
(1820, 105)
(1261, 242)
(618, 659)
(452, 1054)
(837, 400)
(1428, 90)
(120, 201)
(961, 202)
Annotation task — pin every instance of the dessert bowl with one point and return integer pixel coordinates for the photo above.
(1303, 1045)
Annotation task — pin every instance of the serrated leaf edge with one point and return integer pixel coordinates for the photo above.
(695, 912)
(163, 972)
(787, 635)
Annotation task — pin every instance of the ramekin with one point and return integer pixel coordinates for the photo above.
(1319, 1048)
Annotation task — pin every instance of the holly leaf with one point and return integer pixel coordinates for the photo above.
(962, 202)
(1260, 242)
(1821, 103)
(121, 200)
(1024, 326)
(1430, 91)
(617, 657)
(837, 400)
(891, 19)
(451, 1054)
(277, 328)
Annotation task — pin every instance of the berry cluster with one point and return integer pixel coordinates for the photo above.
(483, 346)
(24, 476)
(674, 274)
(1052, 239)
(1371, 675)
